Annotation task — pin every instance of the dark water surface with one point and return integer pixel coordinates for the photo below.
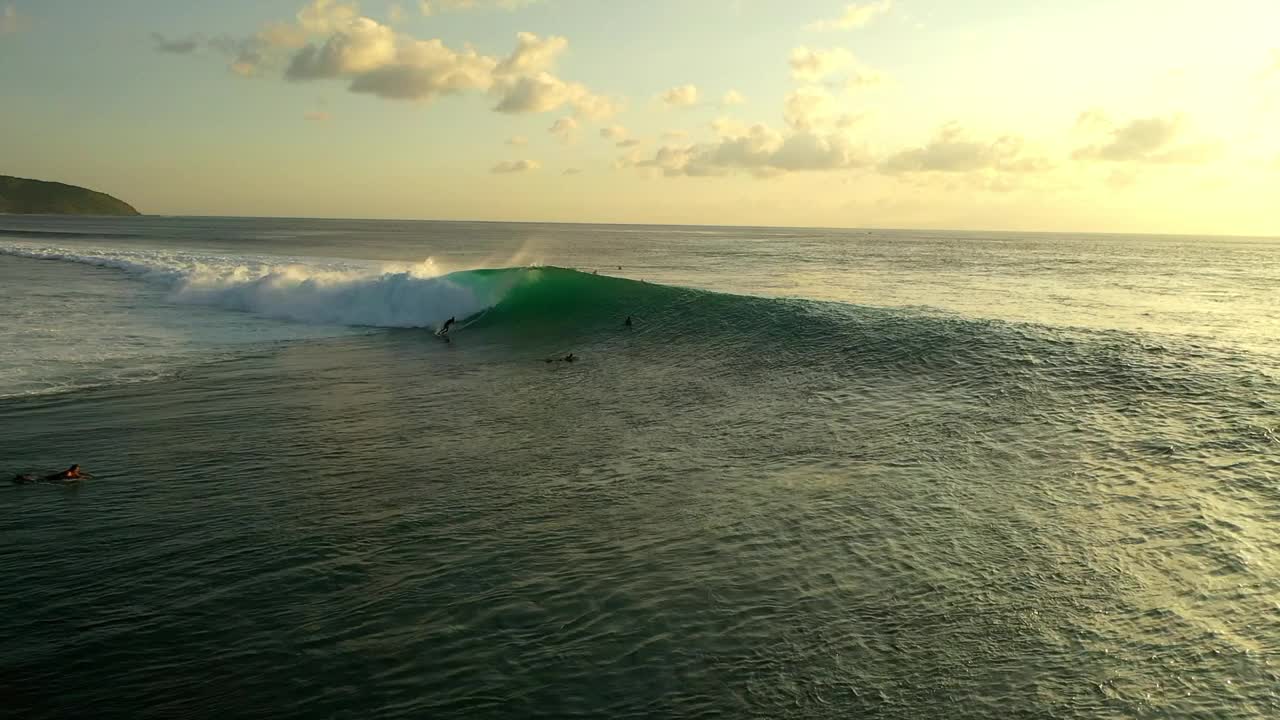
(896, 475)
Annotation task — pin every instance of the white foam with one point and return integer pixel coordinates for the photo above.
(314, 291)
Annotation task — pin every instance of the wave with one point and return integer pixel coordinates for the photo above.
(329, 293)
(538, 310)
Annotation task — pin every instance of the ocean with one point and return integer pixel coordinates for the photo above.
(822, 474)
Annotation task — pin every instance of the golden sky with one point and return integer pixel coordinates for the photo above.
(1126, 116)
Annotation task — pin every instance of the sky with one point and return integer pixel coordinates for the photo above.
(1115, 116)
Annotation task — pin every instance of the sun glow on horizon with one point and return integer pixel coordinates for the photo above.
(1128, 117)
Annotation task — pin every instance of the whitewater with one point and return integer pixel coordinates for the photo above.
(823, 473)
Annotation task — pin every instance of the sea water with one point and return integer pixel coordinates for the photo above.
(823, 473)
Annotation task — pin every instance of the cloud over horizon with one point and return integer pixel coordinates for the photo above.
(815, 66)
(952, 151)
(508, 167)
(1157, 140)
(757, 149)
(377, 60)
(680, 96)
(854, 16)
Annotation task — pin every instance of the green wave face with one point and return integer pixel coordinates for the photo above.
(549, 309)
(551, 299)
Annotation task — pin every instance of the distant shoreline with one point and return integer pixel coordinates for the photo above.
(25, 196)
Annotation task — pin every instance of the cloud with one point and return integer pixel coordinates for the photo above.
(675, 135)
(425, 69)
(518, 141)
(733, 97)
(680, 96)
(807, 107)
(10, 20)
(395, 14)
(432, 7)
(1154, 140)
(396, 67)
(566, 128)
(572, 171)
(317, 116)
(853, 17)
(515, 166)
(952, 151)
(184, 46)
(322, 17)
(281, 35)
(619, 136)
(533, 54)
(759, 150)
(814, 65)
(545, 92)
(376, 60)
(362, 46)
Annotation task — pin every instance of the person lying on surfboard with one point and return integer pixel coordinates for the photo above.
(72, 473)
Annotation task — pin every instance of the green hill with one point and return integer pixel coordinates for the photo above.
(20, 196)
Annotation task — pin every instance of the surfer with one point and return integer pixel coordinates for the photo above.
(444, 330)
(72, 473)
(569, 358)
(627, 322)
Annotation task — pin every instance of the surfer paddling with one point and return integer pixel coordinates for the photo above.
(72, 473)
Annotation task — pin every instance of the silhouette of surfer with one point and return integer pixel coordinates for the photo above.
(444, 330)
(72, 473)
(627, 322)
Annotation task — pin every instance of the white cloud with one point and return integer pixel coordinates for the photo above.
(675, 135)
(515, 166)
(397, 67)
(10, 20)
(854, 16)
(953, 151)
(1155, 140)
(322, 17)
(760, 150)
(618, 135)
(377, 60)
(518, 141)
(281, 35)
(395, 14)
(533, 54)
(424, 69)
(566, 128)
(733, 97)
(545, 92)
(808, 107)
(680, 96)
(362, 46)
(814, 65)
(432, 7)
